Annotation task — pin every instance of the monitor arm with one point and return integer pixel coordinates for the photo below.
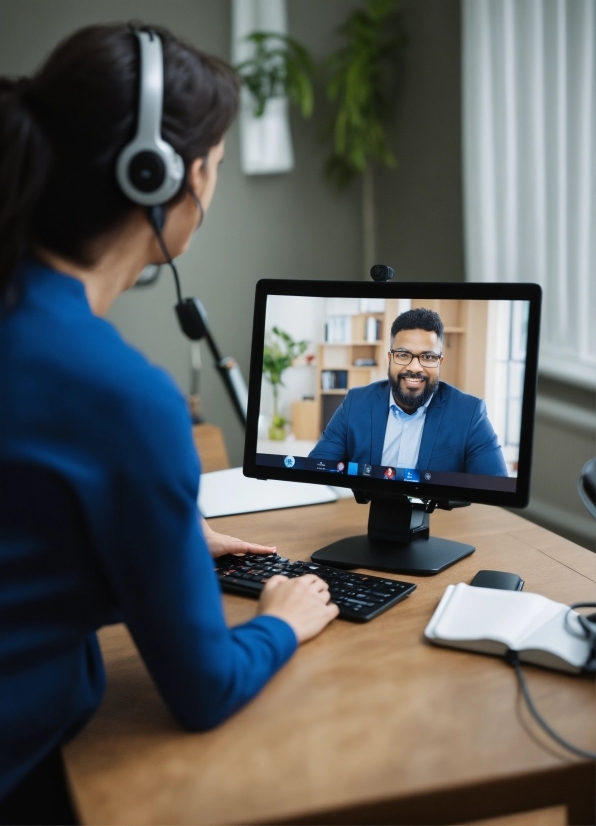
(399, 519)
(193, 322)
(398, 537)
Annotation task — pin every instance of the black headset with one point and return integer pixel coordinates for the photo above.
(150, 172)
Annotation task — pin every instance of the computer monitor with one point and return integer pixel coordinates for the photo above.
(415, 395)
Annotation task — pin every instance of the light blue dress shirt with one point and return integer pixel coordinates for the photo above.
(398, 451)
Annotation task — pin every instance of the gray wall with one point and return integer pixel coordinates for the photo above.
(419, 204)
(565, 438)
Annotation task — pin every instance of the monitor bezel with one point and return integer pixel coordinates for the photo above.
(416, 290)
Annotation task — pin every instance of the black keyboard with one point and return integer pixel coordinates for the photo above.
(358, 596)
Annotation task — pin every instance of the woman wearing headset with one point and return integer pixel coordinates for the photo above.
(98, 475)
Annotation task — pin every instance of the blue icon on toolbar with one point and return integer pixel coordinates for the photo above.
(352, 468)
(411, 475)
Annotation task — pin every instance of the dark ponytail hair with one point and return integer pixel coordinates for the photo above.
(62, 130)
(25, 162)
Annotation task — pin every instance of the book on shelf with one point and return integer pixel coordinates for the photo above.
(372, 329)
(338, 329)
(334, 380)
(493, 621)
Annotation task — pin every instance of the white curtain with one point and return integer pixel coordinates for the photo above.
(529, 125)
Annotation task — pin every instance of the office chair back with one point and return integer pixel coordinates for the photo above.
(586, 486)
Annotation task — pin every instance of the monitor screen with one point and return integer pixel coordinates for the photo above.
(426, 390)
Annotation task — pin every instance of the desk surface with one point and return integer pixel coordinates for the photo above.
(367, 723)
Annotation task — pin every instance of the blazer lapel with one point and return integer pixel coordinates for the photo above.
(378, 421)
(432, 422)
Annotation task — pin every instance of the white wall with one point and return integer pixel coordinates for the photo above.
(303, 318)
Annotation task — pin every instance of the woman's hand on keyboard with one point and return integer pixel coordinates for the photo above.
(302, 602)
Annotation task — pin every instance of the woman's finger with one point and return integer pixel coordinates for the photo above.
(238, 546)
(276, 580)
(253, 548)
(314, 581)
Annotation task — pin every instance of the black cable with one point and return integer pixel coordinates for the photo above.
(587, 630)
(513, 660)
(157, 219)
(191, 317)
(169, 261)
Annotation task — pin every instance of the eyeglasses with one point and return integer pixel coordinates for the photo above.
(404, 357)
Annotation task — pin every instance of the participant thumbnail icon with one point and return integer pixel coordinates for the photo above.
(411, 475)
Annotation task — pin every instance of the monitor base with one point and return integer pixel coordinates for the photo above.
(398, 540)
(418, 557)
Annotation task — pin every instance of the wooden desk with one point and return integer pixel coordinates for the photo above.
(367, 723)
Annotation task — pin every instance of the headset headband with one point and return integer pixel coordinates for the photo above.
(148, 169)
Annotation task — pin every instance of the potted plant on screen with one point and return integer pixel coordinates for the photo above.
(279, 354)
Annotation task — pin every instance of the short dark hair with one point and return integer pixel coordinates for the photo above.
(61, 132)
(418, 319)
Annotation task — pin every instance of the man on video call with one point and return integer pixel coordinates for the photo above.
(413, 420)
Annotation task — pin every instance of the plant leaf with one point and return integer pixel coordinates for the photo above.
(280, 66)
(361, 77)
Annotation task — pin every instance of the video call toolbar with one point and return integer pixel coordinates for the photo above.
(414, 475)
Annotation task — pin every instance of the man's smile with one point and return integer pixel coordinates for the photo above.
(413, 382)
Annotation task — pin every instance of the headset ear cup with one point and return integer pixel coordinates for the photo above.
(148, 170)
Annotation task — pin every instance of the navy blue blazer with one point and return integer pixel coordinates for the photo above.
(457, 435)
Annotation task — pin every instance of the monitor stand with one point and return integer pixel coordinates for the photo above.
(398, 540)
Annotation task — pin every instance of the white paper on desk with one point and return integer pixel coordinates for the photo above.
(228, 492)
(491, 620)
(491, 613)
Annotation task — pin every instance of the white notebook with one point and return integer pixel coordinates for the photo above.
(492, 621)
(227, 492)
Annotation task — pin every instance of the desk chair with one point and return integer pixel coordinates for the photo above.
(211, 447)
(586, 486)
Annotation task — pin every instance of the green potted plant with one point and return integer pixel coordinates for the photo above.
(279, 354)
(279, 67)
(362, 79)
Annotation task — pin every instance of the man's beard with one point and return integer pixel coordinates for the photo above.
(406, 397)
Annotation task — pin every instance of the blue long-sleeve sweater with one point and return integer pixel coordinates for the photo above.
(99, 524)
